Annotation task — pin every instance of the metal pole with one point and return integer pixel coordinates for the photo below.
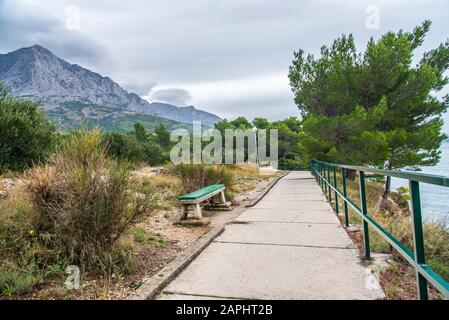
(418, 238)
(365, 213)
(329, 184)
(336, 188)
(345, 204)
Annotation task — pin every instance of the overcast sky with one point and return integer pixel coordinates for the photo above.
(229, 57)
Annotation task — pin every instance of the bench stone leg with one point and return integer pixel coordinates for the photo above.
(198, 213)
(197, 218)
(222, 196)
(184, 209)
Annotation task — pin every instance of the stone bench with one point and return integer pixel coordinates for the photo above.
(195, 198)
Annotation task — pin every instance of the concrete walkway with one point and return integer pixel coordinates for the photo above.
(289, 246)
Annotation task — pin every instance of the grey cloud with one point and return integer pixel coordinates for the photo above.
(176, 44)
(274, 107)
(21, 26)
(175, 96)
(140, 87)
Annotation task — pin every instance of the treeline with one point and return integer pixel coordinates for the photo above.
(27, 137)
(291, 152)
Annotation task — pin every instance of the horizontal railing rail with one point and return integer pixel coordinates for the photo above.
(424, 274)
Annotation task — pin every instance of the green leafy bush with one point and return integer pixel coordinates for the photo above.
(123, 147)
(16, 281)
(25, 133)
(139, 145)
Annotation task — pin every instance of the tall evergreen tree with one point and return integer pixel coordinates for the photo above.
(162, 135)
(374, 107)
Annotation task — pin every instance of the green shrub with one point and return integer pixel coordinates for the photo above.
(135, 147)
(123, 147)
(83, 203)
(160, 240)
(15, 281)
(196, 176)
(292, 164)
(25, 134)
(140, 235)
(155, 154)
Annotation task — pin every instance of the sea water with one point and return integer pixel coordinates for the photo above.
(434, 199)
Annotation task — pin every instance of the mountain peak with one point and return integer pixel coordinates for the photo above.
(37, 49)
(35, 72)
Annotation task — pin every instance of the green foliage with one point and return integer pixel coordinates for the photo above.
(140, 133)
(156, 146)
(197, 176)
(162, 136)
(375, 107)
(155, 154)
(26, 135)
(15, 281)
(292, 164)
(261, 123)
(140, 235)
(124, 147)
(160, 240)
(350, 138)
(238, 123)
(139, 145)
(289, 136)
(404, 192)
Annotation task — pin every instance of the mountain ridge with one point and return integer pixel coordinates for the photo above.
(55, 84)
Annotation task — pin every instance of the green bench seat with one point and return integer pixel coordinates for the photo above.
(201, 193)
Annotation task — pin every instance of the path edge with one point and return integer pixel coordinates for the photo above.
(263, 194)
(153, 286)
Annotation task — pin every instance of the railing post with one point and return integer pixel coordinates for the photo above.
(329, 184)
(324, 179)
(321, 173)
(345, 204)
(319, 176)
(365, 213)
(336, 188)
(418, 238)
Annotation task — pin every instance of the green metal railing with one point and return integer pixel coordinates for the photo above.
(424, 274)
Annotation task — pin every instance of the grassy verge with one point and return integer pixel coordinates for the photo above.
(398, 279)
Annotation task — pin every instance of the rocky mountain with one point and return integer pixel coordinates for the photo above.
(69, 93)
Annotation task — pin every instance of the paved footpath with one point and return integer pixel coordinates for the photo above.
(288, 246)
